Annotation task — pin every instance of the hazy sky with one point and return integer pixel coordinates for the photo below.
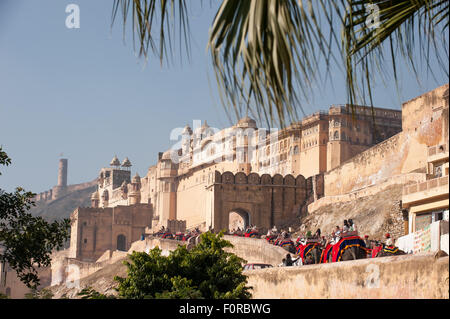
(84, 92)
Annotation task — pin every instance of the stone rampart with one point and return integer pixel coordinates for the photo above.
(399, 277)
(255, 250)
(423, 126)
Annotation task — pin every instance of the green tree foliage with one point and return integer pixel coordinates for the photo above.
(206, 271)
(90, 293)
(39, 294)
(26, 242)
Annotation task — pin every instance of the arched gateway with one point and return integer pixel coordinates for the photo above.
(238, 218)
(264, 201)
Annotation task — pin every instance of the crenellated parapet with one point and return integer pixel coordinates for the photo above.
(241, 178)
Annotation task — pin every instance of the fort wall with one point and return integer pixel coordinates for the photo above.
(423, 126)
(399, 277)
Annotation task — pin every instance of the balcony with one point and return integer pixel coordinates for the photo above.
(437, 153)
(168, 172)
(425, 191)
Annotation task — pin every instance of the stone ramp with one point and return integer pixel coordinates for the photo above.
(255, 250)
(398, 277)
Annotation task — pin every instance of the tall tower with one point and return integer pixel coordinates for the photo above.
(62, 173)
(61, 187)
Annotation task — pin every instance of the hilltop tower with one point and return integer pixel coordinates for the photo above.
(61, 187)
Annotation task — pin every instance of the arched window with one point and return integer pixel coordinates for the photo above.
(336, 135)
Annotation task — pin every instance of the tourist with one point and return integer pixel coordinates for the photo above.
(288, 260)
(389, 241)
(337, 234)
(351, 225)
(346, 227)
(283, 263)
(317, 234)
(297, 262)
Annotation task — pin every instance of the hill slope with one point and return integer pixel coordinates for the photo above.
(62, 207)
(373, 215)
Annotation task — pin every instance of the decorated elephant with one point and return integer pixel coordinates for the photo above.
(168, 235)
(310, 253)
(287, 244)
(387, 251)
(348, 248)
(253, 233)
(271, 239)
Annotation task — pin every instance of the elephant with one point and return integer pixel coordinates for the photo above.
(288, 245)
(390, 251)
(313, 257)
(353, 253)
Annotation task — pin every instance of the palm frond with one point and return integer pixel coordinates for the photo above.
(266, 55)
(401, 25)
(148, 15)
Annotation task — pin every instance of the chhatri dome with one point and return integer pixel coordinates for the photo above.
(95, 195)
(126, 163)
(246, 122)
(187, 130)
(115, 161)
(136, 179)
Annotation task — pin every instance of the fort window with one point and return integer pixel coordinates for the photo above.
(85, 240)
(336, 135)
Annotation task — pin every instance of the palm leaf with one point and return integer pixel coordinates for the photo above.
(401, 24)
(269, 54)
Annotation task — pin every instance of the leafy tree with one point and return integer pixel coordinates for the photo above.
(26, 242)
(90, 293)
(269, 54)
(205, 271)
(39, 294)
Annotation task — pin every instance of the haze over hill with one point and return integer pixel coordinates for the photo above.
(76, 196)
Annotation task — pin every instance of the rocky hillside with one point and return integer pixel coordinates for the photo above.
(101, 281)
(62, 207)
(373, 215)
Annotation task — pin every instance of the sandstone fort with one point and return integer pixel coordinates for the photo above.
(214, 180)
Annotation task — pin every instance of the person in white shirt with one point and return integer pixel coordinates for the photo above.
(389, 241)
(337, 234)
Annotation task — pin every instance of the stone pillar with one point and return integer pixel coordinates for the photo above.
(62, 172)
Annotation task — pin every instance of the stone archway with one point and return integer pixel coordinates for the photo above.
(121, 243)
(238, 218)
